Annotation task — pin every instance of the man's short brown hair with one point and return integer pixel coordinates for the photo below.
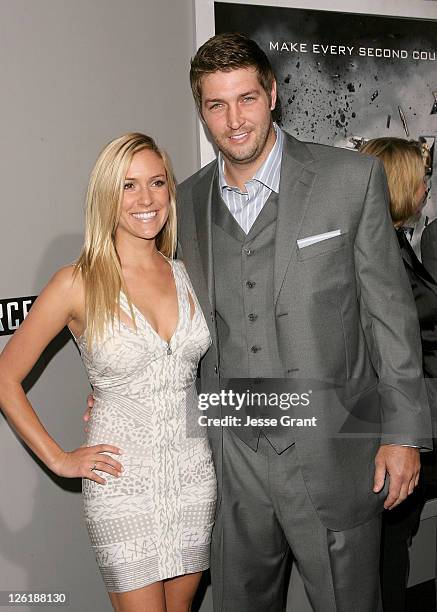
(226, 52)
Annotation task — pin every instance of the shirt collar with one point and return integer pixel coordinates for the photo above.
(269, 174)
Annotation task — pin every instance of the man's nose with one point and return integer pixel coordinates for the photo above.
(235, 119)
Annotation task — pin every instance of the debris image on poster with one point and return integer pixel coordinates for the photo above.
(344, 78)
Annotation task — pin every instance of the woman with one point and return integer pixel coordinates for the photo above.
(405, 170)
(148, 479)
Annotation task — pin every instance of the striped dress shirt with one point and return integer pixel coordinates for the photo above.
(245, 206)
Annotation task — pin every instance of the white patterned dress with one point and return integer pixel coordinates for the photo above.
(155, 521)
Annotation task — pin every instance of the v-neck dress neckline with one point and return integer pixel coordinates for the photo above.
(186, 320)
(124, 305)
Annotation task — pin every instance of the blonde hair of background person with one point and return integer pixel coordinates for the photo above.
(99, 263)
(405, 170)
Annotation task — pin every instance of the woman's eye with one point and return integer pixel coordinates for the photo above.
(128, 186)
(159, 183)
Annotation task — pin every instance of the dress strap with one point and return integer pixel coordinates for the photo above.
(180, 281)
(187, 281)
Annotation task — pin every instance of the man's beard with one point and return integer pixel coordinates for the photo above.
(247, 154)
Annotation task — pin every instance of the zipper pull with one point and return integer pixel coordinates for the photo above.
(169, 351)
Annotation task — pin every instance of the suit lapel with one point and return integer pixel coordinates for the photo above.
(294, 193)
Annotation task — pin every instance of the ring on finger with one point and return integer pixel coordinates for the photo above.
(92, 469)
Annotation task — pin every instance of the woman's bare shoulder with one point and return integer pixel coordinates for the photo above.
(68, 281)
(68, 278)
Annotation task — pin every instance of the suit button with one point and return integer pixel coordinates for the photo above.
(255, 349)
(252, 317)
(250, 284)
(248, 251)
(215, 369)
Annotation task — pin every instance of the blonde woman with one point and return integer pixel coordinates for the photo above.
(148, 481)
(405, 169)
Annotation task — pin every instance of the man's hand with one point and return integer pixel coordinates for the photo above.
(402, 465)
(87, 414)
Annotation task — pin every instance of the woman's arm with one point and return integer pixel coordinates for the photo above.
(61, 303)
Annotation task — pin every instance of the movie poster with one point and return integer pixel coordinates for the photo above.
(345, 77)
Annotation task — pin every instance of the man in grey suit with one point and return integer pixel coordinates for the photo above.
(293, 257)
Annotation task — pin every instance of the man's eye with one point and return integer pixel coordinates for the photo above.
(128, 186)
(249, 99)
(215, 106)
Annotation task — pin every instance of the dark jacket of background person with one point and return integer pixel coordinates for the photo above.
(428, 247)
(425, 295)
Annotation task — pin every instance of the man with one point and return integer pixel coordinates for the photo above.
(293, 258)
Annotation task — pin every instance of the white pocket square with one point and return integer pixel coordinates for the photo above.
(304, 242)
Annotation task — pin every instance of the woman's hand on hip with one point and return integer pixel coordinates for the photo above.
(85, 460)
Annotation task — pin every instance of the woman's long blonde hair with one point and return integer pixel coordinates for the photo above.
(404, 166)
(98, 263)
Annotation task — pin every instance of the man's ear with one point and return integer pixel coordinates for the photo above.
(273, 95)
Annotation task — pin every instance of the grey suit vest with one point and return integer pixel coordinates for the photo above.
(243, 276)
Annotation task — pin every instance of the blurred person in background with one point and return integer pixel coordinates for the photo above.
(405, 170)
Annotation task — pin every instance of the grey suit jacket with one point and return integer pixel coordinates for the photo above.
(345, 314)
